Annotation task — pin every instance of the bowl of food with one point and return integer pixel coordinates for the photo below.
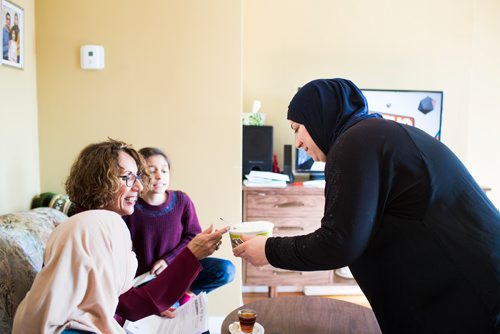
(250, 229)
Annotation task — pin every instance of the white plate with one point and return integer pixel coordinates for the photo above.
(234, 328)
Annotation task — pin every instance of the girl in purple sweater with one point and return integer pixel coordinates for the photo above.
(163, 223)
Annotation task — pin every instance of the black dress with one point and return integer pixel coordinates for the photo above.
(419, 235)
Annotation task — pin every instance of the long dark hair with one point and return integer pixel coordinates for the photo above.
(147, 152)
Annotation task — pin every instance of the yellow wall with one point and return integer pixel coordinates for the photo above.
(447, 45)
(172, 79)
(483, 156)
(19, 165)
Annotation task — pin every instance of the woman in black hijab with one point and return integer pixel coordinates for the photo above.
(419, 235)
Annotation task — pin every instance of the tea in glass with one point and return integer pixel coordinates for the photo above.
(247, 319)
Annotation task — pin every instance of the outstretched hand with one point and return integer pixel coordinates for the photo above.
(252, 250)
(206, 242)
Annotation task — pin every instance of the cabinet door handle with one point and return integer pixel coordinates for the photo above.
(287, 273)
(287, 228)
(289, 204)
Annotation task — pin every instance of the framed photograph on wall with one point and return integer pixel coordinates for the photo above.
(12, 34)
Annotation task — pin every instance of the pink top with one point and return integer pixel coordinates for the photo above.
(87, 276)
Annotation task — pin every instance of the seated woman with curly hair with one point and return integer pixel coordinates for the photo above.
(89, 264)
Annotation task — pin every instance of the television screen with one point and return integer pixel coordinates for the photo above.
(422, 109)
(305, 164)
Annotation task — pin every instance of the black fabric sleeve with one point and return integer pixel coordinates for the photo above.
(352, 197)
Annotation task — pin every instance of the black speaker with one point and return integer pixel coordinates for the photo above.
(257, 148)
(287, 161)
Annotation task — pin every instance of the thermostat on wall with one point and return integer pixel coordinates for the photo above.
(92, 57)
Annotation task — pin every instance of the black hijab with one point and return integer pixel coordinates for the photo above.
(327, 108)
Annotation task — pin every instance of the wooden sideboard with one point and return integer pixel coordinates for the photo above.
(294, 211)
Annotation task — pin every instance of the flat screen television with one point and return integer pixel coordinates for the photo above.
(422, 109)
(419, 108)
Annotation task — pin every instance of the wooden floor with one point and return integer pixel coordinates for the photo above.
(357, 299)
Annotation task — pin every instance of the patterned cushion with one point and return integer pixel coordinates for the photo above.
(53, 200)
(22, 242)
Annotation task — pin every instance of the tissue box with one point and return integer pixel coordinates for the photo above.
(253, 118)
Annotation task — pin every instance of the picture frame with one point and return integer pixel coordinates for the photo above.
(12, 21)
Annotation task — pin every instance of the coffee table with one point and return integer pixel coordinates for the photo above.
(306, 314)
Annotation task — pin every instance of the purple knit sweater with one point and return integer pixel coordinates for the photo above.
(161, 232)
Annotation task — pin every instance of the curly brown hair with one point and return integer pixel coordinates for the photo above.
(93, 180)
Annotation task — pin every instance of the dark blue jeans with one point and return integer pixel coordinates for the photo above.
(215, 273)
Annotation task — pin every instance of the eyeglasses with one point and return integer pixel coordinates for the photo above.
(130, 179)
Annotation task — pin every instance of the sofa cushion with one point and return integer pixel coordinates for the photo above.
(22, 242)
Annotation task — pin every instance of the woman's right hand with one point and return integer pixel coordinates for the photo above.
(206, 242)
(253, 250)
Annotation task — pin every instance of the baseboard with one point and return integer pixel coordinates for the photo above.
(215, 324)
(316, 290)
(308, 290)
(265, 288)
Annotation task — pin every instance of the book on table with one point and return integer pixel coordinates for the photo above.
(266, 179)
